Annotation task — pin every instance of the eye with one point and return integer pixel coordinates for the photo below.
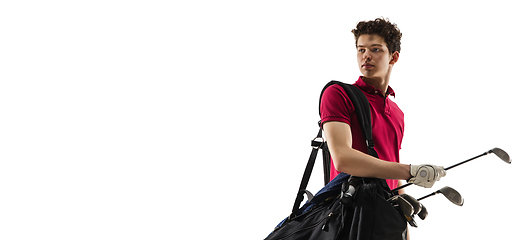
(376, 50)
(361, 50)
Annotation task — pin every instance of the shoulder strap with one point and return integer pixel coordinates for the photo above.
(363, 112)
(362, 109)
(316, 144)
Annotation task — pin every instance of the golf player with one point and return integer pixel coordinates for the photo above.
(378, 50)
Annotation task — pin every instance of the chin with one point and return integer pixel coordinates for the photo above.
(369, 74)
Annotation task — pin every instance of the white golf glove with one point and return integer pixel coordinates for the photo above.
(426, 175)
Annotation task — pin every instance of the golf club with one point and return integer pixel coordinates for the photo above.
(497, 151)
(414, 202)
(450, 194)
(423, 213)
(420, 209)
(411, 206)
(406, 208)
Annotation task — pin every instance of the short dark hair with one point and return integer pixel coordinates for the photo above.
(382, 27)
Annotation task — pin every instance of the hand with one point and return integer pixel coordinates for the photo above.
(426, 175)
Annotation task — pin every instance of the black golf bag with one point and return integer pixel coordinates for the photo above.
(347, 207)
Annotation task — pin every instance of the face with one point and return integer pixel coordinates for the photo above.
(374, 58)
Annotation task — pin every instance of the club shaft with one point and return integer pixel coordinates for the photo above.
(401, 187)
(429, 195)
(453, 166)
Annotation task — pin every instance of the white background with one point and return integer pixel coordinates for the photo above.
(192, 120)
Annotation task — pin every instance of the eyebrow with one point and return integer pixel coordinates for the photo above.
(376, 44)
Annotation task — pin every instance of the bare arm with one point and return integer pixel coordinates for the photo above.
(353, 162)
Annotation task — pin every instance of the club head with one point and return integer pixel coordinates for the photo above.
(452, 195)
(423, 213)
(412, 222)
(406, 207)
(501, 154)
(416, 205)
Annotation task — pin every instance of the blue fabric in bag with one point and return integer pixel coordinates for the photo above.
(332, 189)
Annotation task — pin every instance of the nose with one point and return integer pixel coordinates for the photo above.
(366, 56)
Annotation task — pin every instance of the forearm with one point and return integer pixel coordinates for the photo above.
(356, 163)
(351, 161)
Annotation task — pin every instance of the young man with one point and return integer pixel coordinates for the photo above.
(378, 49)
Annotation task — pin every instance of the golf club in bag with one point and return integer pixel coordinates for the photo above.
(409, 206)
(497, 151)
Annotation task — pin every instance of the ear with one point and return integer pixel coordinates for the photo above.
(394, 58)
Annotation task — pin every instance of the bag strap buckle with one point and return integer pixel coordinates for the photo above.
(317, 142)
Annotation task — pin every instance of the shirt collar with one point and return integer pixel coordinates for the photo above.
(370, 89)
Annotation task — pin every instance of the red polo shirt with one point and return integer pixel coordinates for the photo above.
(387, 121)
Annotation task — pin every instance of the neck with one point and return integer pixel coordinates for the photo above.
(378, 83)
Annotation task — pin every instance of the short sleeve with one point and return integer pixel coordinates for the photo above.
(335, 105)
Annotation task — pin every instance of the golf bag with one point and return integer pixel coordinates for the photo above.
(347, 207)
